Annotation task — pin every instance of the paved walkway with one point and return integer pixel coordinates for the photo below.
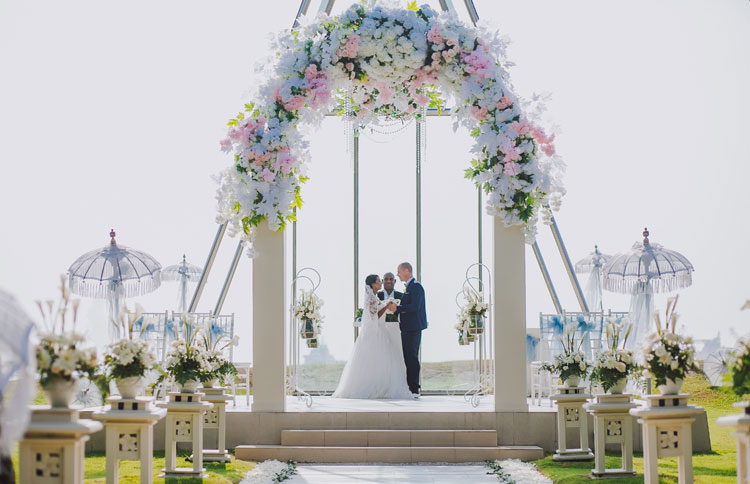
(392, 474)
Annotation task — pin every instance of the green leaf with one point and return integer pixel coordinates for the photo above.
(412, 6)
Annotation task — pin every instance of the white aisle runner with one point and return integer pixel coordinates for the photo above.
(392, 474)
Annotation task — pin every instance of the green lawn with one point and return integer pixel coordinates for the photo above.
(716, 467)
(130, 470)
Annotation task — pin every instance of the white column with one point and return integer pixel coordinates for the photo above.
(510, 318)
(269, 309)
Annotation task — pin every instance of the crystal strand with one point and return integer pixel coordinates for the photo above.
(423, 138)
(349, 129)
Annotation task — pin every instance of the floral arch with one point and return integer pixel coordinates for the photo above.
(380, 61)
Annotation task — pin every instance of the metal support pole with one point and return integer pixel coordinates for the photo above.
(547, 278)
(356, 227)
(294, 258)
(479, 238)
(568, 264)
(419, 200)
(228, 280)
(207, 267)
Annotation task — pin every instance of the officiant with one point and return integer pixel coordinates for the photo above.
(388, 292)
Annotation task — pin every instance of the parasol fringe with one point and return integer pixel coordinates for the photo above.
(630, 284)
(103, 289)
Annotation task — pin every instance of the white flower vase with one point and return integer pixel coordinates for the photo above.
(189, 386)
(671, 387)
(572, 381)
(131, 386)
(60, 392)
(619, 387)
(212, 383)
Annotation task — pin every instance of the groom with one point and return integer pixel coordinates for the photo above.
(413, 321)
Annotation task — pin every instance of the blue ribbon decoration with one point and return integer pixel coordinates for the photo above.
(531, 342)
(216, 331)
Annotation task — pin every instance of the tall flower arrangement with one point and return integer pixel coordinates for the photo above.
(61, 355)
(187, 361)
(668, 355)
(215, 343)
(128, 359)
(377, 61)
(739, 364)
(614, 364)
(571, 364)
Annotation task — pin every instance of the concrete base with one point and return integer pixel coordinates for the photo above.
(213, 455)
(575, 455)
(180, 473)
(611, 474)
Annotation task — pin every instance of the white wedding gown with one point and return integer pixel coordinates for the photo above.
(376, 367)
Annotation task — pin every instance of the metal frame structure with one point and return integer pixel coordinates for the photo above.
(447, 6)
(292, 380)
(483, 369)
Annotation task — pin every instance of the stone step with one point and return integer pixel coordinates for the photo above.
(326, 454)
(389, 438)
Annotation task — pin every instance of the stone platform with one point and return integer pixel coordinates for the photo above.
(534, 428)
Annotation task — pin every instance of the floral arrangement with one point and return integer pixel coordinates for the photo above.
(571, 362)
(218, 367)
(614, 363)
(375, 61)
(739, 367)
(187, 360)
(475, 305)
(668, 355)
(307, 310)
(61, 354)
(270, 472)
(128, 356)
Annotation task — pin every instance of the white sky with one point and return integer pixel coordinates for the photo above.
(110, 116)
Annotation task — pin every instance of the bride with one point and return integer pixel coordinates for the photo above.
(376, 367)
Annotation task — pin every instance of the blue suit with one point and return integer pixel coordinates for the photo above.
(413, 321)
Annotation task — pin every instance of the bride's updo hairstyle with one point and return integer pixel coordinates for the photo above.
(370, 280)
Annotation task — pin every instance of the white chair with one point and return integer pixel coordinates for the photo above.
(242, 380)
(541, 383)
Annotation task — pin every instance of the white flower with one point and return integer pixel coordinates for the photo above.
(621, 367)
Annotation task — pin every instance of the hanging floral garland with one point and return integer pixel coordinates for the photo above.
(376, 61)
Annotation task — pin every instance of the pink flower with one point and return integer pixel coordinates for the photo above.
(350, 47)
(276, 93)
(511, 168)
(433, 35)
(504, 103)
(226, 145)
(511, 154)
(385, 91)
(421, 99)
(349, 66)
(311, 71)
(479, 113)
(267, 175)
(294, 103)
(477, 63)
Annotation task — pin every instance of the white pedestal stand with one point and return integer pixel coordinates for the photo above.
(184, 424)
(216, 418)
(570, 414)
(129, 427)
(612, 425)
(667, 432)
(52, 449)
(741, 423)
